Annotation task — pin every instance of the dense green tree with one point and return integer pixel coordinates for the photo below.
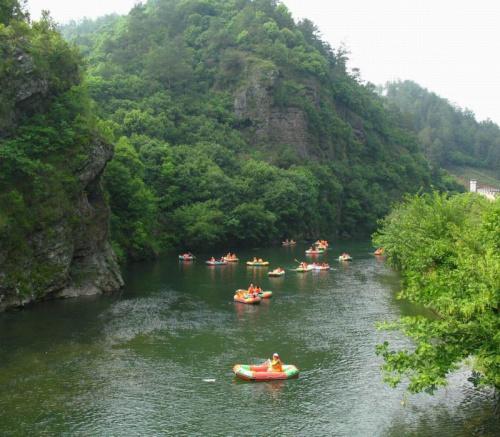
(448, 250)
(11, 10)
(132, 204)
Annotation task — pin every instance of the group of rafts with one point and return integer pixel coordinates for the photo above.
(319, 248)
(271, 369)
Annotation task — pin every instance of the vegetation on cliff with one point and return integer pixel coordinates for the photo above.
(238, 125)
(47, 136)
(448, 250)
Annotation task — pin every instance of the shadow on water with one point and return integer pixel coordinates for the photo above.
(476, 415)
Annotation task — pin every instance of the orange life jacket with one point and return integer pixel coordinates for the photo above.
(276, 365)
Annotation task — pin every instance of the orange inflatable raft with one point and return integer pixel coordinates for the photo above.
(262, 294)
(261, 372)
(257, 263)
(246, 298)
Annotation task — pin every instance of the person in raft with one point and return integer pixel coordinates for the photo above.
(254, 291)
(275, 364)
(212, 259)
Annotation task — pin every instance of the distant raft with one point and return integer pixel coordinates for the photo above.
(246, 298)
(277, 272)
(257, 263)
(319, 267)
(302, 269)
(261, 372)
(314, 251)
(379, 251)
(186, 257)
(232, 259)
(345, 257)
(216, 263)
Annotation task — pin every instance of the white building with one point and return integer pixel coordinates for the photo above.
(489, 192)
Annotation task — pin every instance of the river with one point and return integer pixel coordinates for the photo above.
(156, 358)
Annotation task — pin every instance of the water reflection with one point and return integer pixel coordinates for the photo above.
(463, 420)
(256, 275)
(186, 266)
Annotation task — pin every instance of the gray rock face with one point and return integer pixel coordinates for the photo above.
(22, 88)
(71, 257)
(265, 123)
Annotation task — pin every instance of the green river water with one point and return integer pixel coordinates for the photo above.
(138, 362)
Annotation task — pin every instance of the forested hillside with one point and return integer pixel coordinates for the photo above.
(53, 217)
(450, 136)
(234, 124)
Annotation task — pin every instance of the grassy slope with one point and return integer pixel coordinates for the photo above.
(484, 176)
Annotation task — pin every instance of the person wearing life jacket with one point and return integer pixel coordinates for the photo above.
(212, 259)
(261, 260)
(275, 364)
(251, 289)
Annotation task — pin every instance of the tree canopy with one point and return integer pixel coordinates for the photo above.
(449, 135)
(448, 251)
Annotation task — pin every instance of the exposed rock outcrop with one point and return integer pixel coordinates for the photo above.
(262, 120)
(71, 257)
(54, 219)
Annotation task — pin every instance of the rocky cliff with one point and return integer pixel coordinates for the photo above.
(70, 256)
(54, 218)
(262, 120)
